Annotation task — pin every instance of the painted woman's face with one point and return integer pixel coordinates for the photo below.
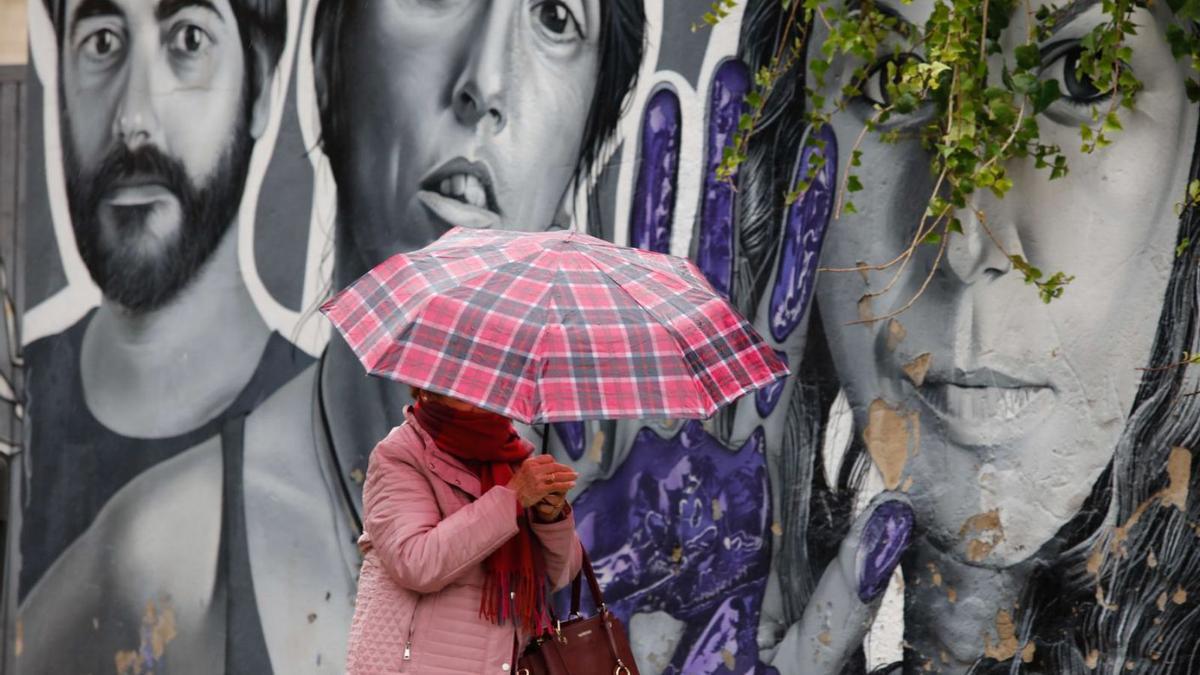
(1023, 402)
(463, 112)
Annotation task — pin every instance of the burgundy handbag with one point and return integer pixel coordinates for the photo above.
(595, 645)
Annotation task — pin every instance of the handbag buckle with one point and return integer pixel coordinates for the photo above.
(621, 669)
(558, 631)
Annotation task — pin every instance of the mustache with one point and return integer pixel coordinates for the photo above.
(146, 164)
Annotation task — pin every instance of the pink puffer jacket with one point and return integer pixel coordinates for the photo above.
(426, 534)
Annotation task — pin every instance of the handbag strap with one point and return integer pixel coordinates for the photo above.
(585, 570)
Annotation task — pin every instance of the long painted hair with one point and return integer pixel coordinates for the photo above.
(1124, 593)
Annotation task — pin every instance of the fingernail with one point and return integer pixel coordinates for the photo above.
(883, 541)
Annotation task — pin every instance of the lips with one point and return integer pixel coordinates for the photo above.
(460, 193)
(137, 191)
(986, 405)
(978, 404)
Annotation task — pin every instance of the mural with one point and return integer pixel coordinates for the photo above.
(982, 483)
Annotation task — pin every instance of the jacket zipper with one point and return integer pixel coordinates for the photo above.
(412, 625)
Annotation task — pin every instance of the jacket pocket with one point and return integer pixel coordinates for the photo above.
(423, 611)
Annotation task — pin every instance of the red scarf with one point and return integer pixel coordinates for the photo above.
(489, 445)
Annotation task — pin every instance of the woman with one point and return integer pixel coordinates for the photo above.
(460, 549)
(1053, 439)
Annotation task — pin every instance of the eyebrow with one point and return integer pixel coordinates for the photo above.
(1063, 16)
(169, 8)
(1060, 18)
(89, 8)
(882, 8)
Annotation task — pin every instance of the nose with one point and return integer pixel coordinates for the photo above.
(136, 121)
(478, 94)
(989, 236)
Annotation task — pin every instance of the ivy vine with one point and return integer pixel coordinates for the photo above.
(977, 122)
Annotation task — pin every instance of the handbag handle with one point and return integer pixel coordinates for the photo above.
(585, 570)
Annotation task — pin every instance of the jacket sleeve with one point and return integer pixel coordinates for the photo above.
(562, 549)
(421, 550)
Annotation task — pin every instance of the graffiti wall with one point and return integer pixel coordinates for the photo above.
(981, 481)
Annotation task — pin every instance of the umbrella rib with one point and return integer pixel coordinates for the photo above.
(675, 340)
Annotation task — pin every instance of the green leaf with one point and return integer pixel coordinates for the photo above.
(1112, 123)
(1029, 56)
(853, 184)
(1023, 83)
(932, 238)
(1045, 96)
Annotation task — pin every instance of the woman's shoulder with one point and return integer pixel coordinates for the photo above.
(403, 443)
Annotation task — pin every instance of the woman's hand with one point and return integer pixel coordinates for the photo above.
(550, 508)
(540, 476)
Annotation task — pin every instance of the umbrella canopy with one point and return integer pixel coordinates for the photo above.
(552, 327)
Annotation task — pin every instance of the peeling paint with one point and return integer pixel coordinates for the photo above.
(888, 436)
(1093, 659)
(918, 368)
(717, 511)
(1180, 596)
(986, 533)
(1006, 644)
(1179, 471)
(728, 658)
(865, 313)
(128, 661)
(20, 639)
(937, 574)
(1027, 652)
(896, 334)
(595, 451)
(825, 638)
(157, 631)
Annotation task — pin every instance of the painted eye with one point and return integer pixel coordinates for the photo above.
(875, 87)
(557, 21)
(101, 44)
(1078, 88)
(190, 39)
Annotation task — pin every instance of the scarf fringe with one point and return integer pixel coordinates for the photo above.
(517, 599)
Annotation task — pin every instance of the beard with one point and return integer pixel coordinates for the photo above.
(118, 246)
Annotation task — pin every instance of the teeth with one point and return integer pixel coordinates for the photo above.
(982, 403)
(475, 195)
(465, 188)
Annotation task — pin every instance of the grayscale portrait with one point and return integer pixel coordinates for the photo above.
(132, 517)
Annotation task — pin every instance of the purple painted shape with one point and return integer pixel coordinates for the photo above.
(766, 398)
(654, 196)
(714, 248)
(682, 526)
(571, 435)
(723, 635)
(804, 230)
(884, 539)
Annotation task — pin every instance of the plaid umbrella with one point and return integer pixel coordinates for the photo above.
(552, 327)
